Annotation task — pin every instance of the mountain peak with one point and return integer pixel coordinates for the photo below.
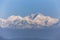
(33, 16)
(28, 21)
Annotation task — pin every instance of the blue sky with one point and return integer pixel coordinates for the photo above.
(26, 7)
(51, 8)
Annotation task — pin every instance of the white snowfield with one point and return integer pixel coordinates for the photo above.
(28, 21)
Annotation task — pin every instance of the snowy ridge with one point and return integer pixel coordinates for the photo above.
(28, 21)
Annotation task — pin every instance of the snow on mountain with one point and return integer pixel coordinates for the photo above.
(34, 20)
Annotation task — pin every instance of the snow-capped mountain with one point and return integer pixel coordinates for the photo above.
(34, 20)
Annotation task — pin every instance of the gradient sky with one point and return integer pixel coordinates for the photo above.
(26, 7)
